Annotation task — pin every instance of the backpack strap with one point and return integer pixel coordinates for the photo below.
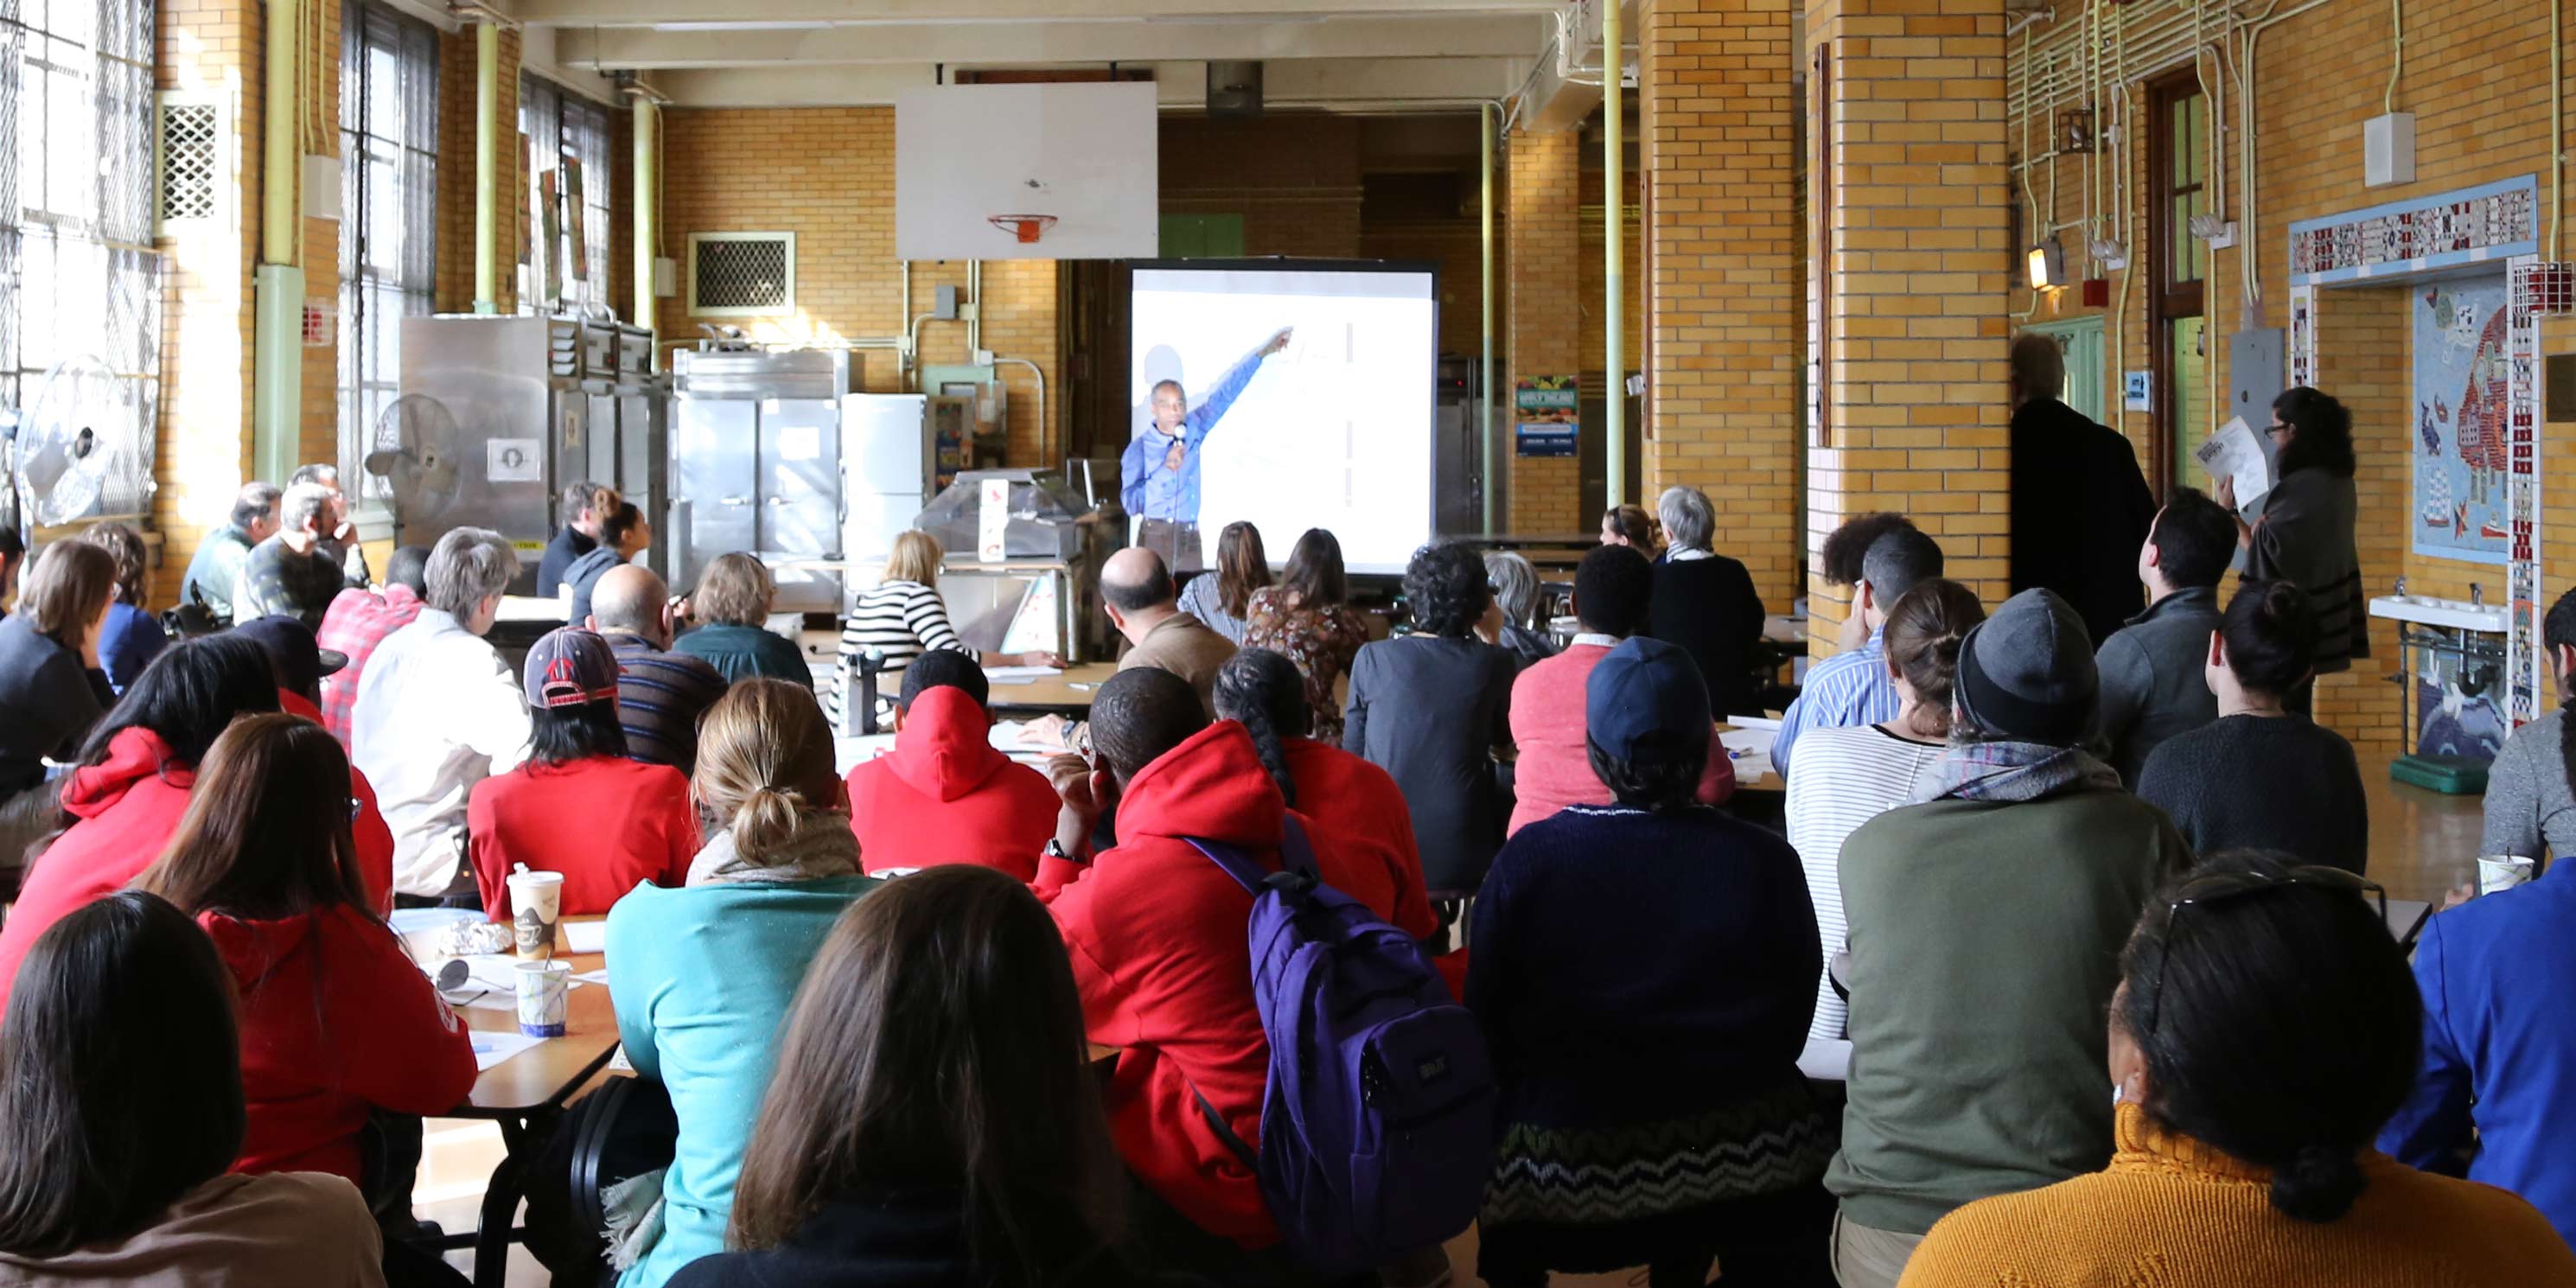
(1295, 855)
(1236, 863)
(1234, 1144)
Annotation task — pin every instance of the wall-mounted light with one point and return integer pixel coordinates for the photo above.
(2047, 265)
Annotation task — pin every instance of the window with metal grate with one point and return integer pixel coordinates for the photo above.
(192, 169)
(742, 274)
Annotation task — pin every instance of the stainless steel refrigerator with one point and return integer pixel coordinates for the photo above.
(756, 467)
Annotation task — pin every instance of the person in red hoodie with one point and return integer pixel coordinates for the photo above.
(1156, 932)
(638, 826)
(944, 795)
(296, 655)
(336, 1021)
(123, 802)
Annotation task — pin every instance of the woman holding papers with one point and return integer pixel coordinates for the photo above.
(2305, 536)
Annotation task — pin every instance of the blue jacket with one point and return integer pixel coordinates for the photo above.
(2498, 975)
(1145, 451)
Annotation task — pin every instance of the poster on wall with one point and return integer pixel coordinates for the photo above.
(576, 216)
(2460, 420)
(1545, 415)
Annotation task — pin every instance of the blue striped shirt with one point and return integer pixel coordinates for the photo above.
(1844, 690)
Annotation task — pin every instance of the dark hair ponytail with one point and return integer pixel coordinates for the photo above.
(2558, 631)
(2271, 634)
(2318, 1184)
(1925, 628)
(1265, 691)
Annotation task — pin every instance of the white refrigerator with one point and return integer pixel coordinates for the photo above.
(889, 456)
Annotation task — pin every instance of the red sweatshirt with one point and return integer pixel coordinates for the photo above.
(944, 795)
(608, 824)
(1156, 932)
(335, 1019)
(125, 809)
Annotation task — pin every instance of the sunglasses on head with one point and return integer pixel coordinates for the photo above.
(2228, 887)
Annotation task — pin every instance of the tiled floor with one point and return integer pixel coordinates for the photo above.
(2421, 844)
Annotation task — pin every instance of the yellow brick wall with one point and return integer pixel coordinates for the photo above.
(827, 175)
(1915, 319)
(1544, 251)
(1726, 295)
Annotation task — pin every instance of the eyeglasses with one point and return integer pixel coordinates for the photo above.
(2226, 887)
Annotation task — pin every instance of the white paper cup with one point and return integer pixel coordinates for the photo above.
(536, 904)
(542, 997)
(2500, 872)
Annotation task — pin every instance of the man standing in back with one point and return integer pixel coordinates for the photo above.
(2080, 505)
(660, 694)
(2152, 685)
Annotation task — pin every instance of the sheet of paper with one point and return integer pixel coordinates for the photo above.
(491, 1048)
(1019, 674)
(585, 937)
(618, 1063)
(1768, 724)
(2234, 452)
(1749, 744)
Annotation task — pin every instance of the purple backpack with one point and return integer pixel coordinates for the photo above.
(1377, 1130)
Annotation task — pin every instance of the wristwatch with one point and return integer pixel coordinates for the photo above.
(1055, 850)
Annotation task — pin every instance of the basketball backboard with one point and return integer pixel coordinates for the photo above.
(976, 164)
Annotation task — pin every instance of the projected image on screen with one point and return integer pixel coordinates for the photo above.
(1291, 398)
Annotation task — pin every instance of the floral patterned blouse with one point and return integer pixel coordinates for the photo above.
(1321, 641)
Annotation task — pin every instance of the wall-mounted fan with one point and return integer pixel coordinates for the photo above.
(68, 441)
(416, 453)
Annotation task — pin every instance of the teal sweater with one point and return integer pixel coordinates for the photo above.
(703, 978)
(741, 652)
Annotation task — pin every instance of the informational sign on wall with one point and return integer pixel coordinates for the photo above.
(2137, 391)
(1545, 415)
(2462, 416)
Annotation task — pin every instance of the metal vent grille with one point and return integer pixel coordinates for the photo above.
(742, 274)
(191, 161)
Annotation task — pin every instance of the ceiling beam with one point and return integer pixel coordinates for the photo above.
(631, 13)
(1461, 36)
(1310, 82)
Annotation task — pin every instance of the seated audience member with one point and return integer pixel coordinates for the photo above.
(340, 537)
(2264, 1029)
(1653, 1112)
(1222, 597)
(585, 506)
(1348, 803)
(1982, 954)
(438, 711)
(13, 560)
(660, 694)
(52, 687)
(1852, 689)
(290, 572)
(132, 636)
(1553, 769)
(1136, 592)
(1513, 612)
(1867, 770)
(2262, 777)
(1431, 709)
(1156, 930)
(218, 561)
(1630, 526)
(337, 1023)
(902, 617)
(120, 807)
(703, 976)
(953, 979)
(359, 620)
(577, 805)
(733, 601)
(299, 665)
(944, 795)
(622, 536)
(2152, 686)
(1705, 602)
(115, 1152)
(1308, 618)
(2530, 810)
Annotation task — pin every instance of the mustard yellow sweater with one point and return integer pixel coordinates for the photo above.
(2174, 1213)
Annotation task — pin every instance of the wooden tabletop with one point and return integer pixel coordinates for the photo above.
(1069, 690)
(553, 1069)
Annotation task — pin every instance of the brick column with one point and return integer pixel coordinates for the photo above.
(1543, 250)
(1914, 315)
(1724, 388)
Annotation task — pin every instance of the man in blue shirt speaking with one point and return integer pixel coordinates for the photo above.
(1159, 474)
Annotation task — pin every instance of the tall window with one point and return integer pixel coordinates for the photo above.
(389, 212)
(569, 178)
(2179, 155)
(80, 282)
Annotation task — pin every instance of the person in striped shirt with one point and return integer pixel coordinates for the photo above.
(661, 695)
(903, 617)
(1852, 687)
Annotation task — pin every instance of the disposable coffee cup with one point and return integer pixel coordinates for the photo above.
(542, 989)
(536, 904)
(2501, 872)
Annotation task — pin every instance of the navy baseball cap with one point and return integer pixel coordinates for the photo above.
(570, 666)
(1646, 699)
(299, 661)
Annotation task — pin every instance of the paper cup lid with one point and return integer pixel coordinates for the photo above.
(536, 878)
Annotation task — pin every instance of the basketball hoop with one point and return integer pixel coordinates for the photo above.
(1028, 228)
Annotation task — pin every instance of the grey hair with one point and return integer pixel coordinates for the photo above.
(1515, 585)
(304, 503)
(1690, 522)
(326, 475)
(468, 566)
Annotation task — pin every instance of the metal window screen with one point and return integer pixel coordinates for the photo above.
(752, 274)
(191, 161)
(79, 277)
(388, 212)
(567, 270)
